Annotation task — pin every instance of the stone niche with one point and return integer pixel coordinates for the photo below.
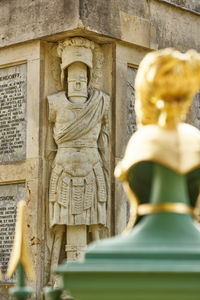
(99, 58)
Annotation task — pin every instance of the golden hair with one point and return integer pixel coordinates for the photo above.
(165, 85)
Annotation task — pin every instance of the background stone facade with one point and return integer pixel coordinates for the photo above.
(126, 31)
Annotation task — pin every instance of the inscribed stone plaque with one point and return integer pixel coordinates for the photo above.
(193, 116)
(131, 119)
(196, 110)
(13, 96)
(9, 196)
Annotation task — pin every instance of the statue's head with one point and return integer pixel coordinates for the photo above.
(77, 81)
(77, 62)
(166, 82)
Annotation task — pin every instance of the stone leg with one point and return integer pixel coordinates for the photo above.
(57, 243)
(76, 242)
(95, 232)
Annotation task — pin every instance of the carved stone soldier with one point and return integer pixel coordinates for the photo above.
(78, 192)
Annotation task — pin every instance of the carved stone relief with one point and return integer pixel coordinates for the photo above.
(78, 150)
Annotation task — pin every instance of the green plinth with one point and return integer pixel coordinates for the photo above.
(159, 259)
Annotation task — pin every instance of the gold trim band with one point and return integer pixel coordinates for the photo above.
(178, 208)
(137, 209)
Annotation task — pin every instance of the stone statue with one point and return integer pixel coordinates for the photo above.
(78, 117)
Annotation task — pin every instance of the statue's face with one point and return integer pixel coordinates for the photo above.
(77, 82)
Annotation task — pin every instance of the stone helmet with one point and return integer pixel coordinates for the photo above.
(75, 49)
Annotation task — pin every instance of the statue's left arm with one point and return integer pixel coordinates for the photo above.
(103, 145)
(103, 140)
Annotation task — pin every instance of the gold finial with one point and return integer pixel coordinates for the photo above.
(20, 251)
(165, 85)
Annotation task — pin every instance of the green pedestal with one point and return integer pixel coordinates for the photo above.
(159, 259)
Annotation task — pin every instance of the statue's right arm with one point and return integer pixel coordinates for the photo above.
(51, 147)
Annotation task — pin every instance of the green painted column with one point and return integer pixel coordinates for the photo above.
(158, 260)
(165, 227)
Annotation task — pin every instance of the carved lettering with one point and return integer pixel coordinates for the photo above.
(9, 196)
(131, 118)
(12, 113)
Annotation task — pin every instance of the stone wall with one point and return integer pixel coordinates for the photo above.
(193, 5)
(152, 24)
(29, 35)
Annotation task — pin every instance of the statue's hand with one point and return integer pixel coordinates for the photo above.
(50, 155)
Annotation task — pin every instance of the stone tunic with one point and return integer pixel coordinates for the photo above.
(78, 192)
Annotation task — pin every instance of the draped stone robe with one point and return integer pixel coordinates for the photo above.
(78, 192)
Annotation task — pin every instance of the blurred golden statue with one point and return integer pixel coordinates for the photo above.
(165, 85)
(21, 252)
